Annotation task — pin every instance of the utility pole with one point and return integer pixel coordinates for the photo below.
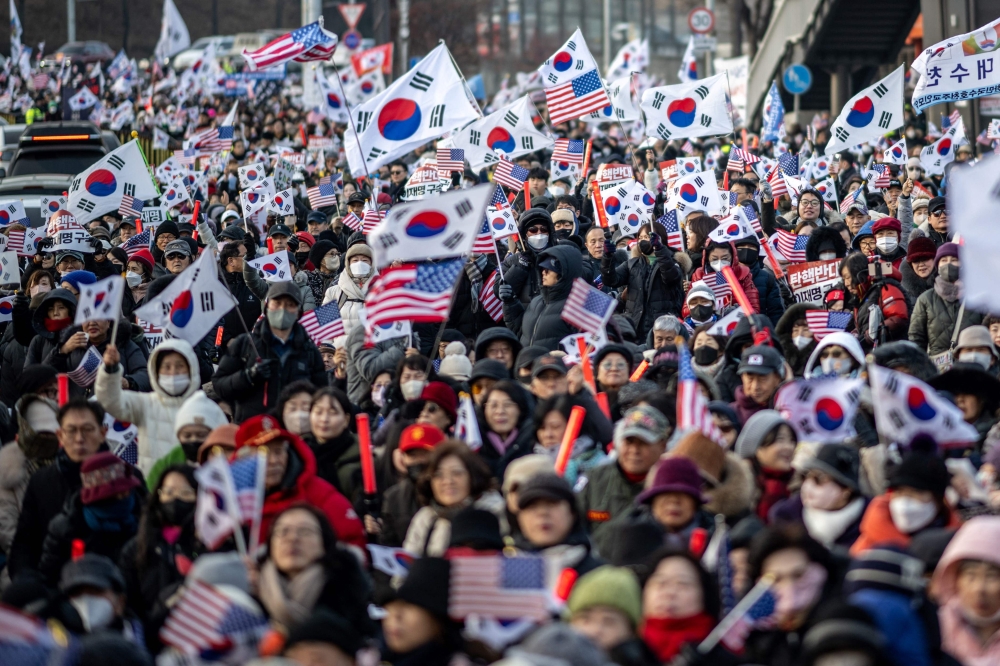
(70, 20)
(404, 35)
(311, 11)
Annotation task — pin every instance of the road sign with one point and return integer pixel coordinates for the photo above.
(351, 40)
(797, 79)
(352, 14)
(705, 43)
(701, 20)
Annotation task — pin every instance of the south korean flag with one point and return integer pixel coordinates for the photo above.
(871, 113)
(281, 203)
(687, 110)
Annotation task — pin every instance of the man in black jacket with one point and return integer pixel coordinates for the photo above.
(541, 322)
(252, 383)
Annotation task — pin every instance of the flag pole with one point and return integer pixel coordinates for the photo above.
(350, 117)
(741, 609)
(114, 328)
(635, 161)
(444, 322)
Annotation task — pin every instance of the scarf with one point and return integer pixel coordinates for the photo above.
(774, 488)
(827, 526)
(290, 601)
(665, 636)
(474, 270)
(948, 291)
(501, 444)
(115, 516)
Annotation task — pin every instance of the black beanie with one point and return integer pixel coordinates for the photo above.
(921, 471)
(318, 251)
(323, 626)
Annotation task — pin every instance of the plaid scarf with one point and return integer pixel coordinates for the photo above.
(474, 269)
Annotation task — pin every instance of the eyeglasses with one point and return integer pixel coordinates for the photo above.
(397, 172)
(939, 213)
(867, 245)
(168, 494)
(86, 431)
(613, 365)
(809, 203)
(297, 531)
(500, 406)
(536, 230)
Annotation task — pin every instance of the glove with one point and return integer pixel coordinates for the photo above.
(524, 260)
(293, 245)
(260, 371)
(655, 240)
(506, 293)
(609, 248)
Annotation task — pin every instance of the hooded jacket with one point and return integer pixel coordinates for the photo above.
(348, 293)
(796, 357)
(913, 284)
(743, 275)
(14, 346)
(541, 322)
(652, 289)
(742, 336)
(878, 529)
(301, 485)
(520, 269)
(933, 321)
(152, 413)
(248, 306)
(821, 236)
(845, 340)
(771, 302)
(45, 342)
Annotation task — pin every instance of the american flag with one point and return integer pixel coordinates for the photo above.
(752, 218)
(489, 299)
(692, 407)
(734, 163)
(130, 206)
(791, 246)
(450, 159)
(86, 372)
(323, 323)
(206, 619)
(352, 221)
(225, 137)
(587, 308)
(136, 243)
(416, 292)
(951, 119)
(323, 195)
(499, 200)
(498, 587)
(687, 147)
(576, 98)
(759, 615)
(484, 239)
(720, 287)
(568, 150)
(668, 221)
(744, 156)
(40, 80)
(248, 480)
(824, 322)
(310, 42)
(884, 176)
(850, 199)
(371, 218)
(188, 156)
(510, 175)
(26, 641)
(205, 141)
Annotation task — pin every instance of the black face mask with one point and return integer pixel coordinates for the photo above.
(176, 512)
(748, 256)
(706, 355)
(702, 312)
(563, 234)
(646, 247)
(948, 272)
(302, 258)
(413, 472)
(191, 450)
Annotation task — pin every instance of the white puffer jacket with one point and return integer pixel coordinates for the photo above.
(152, 413)
(349, 297)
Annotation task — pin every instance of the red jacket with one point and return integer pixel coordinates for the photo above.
(310, 489)
(877, 527)
(743, 274)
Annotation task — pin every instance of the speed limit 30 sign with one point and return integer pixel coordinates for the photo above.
(701, 20)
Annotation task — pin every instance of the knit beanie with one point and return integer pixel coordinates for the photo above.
(456, 363)
(199, 409)
(612, 587)
(755, 430)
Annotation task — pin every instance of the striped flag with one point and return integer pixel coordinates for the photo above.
(372, 218)
(450, 159)
(323, 323)
(205, 141)
(498, 587)
(759, 615)
(575, 98)
(720, 287)
(687, 147)
(668, 221)
(352, 221)
(791, 246)
(510, 175)
(692, 407)
(130, 206)
(587, 308)
(85, 373)
(824, 322)
(413, 292)
(881, 181)
(484, 239)
(489, 300)
(744, 156)
(323, 194)
(226, 129)
(849, 200)
(305, 44)
(248, 480)
(568, 150)
(205, 619)
(137, 243)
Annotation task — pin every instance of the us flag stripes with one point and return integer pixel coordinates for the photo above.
(575, 98)
(310, 42)
(137, 243)
(849, 200)
(824, 322)
(323, 194)
(85, 373)
(130, 206)
(668, 222)
(205, 618)
(510, 175)
(352, 221)
(692, 408)
(791, 246)
(717, 283)
(484, 239)
(489, 299)
(568, 150)
(587, 308)
(371, 218)
(450, 159)
(323, 323)
(412, 292)
(498, 587)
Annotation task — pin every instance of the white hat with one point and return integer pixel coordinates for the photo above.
(699, 288)
(456, 363)
(199, 409)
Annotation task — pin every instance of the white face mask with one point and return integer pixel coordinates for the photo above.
(718, 265)
(982, 358)
(332, 263)
(95, 612)
(174, 384)
(826, 256)
(411, 389)
(538, 242)
(133, 279)
(801, 341)
(378, 396)
(297, 422)
(360, 268)
(910, 515)
(558, 191)
(886, 244)
(822, 497)
(835, 366)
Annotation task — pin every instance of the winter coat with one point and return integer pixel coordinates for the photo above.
(70, 525)
(913, 284)
(463, 318)
(541, 322)
(743, 275)
(896, 311)
(43, 500)
(133, 360)
(573, 553)
(900, 622)
(14, 349)
(520, 269)
(654, 289)
(430, 530)
(232, 382)
(771, 303)
(15, 472)
(301, 484)
(259, 286)
(790, 511)
(607, 496)
(248, 307)
(823, 236)
(796, 357)
(152, 413)
(364, 364)
(350, 297)
(338, 462)
(44, 342)
(522, 445)
(733, 495)
(877, 528)
(399, 505)
(933, 321)
(727, 380)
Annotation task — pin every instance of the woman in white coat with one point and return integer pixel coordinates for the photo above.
(352, 285)
(174, 376)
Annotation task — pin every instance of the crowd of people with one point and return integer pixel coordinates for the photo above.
(870, 551)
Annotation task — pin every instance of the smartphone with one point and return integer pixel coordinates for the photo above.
(879, 268)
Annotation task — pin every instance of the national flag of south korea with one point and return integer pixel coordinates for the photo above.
(896, 154)
(622, 107)
(571, 60)
(273, 267)
(251, 175)
(84, 99)
(99, 189)
(101, 300)
(50, 205)
(281, 203)
(732, 229)
(689, 63)
(632, 57)
(429, 100)
(330, 102)
(696, 192)
(170, 168)
(508, 132)
(12, 212)
(573, 84)
(10, 271)
(939, 154)
(820, 410)
(501, 221)
(874, 111)
(687, 109)
(442, 226)
(362, 88)
(192, 304)
(629, 206)
(252, 201)
(174, 194)
(383, 332)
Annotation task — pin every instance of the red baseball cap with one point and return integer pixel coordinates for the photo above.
(420, 436)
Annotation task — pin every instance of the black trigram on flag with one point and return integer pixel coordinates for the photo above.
(421, 81)
(511, 118)
(116, 162)
(658, 99)
(841, 133)
(207, 301)
(364, 117)
(463, 208)
(880, 90)
(701, 91)
(475, 136)
(437, 116)
(375, 152)
(663, 132)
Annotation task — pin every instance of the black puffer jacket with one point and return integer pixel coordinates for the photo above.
(821, 236)
(247, 305)
(463, 318)
(913, 285)
(653, 289)
(45, 341)
(727, 380)
(796, 357)
(520, 269)
(14, 349)
(541, 322)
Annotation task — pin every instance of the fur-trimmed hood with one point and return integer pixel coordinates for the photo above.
(733, 496)
(821, 236)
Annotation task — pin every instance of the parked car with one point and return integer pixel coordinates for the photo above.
(11, 135)
(85, 52)
(190, 55)
(65, 147)
(30, 189)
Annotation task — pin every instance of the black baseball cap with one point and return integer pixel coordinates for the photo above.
(761, 360)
